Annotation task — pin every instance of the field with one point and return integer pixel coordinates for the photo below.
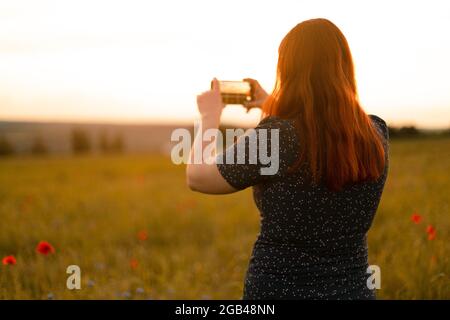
(137, 232)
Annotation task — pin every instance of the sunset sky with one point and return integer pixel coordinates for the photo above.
(145, 61)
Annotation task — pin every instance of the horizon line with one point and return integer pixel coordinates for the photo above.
(168, 122)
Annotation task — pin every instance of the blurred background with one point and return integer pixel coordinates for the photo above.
(90, 92)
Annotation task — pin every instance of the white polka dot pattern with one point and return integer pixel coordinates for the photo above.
(312, 241)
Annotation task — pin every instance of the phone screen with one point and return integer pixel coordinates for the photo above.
(235, 92)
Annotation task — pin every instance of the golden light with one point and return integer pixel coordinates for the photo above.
(146, 61)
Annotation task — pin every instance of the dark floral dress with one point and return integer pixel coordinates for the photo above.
(312, 242)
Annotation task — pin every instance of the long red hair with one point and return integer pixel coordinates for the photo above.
(316, 86)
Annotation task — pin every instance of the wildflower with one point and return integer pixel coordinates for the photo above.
(416, 218)
(140, 290)
(100, 266)
(432, 236)
(9, 260)
(45, 248)
(142, 235)
(134, 263)
(170, 290)
(431, 232)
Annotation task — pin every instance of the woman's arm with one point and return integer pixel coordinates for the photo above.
(202, 174)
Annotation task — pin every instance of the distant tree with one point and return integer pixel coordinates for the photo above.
(409, 131)
(80, 141)
(107, 145)
(6, 147)
(393, 132)
(39, 147)
(402, 132)
(103, 143)
(117, 145)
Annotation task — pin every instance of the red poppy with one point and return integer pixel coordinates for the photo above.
(142, 235)
(431, 232)
(45, 248)
(134, 263)
(9, 260)
(416, 218)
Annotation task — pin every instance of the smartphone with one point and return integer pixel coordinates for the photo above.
(235, 92)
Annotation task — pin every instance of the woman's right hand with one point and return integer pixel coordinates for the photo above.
(260, 95)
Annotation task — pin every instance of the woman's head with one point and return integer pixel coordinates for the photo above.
(316, 86)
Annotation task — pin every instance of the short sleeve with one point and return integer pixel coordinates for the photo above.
(381, 126)
(383, 129)
(260, 155)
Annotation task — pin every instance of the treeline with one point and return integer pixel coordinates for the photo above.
(84, 142)
(407, 131)
(81, 142)
(413, 132)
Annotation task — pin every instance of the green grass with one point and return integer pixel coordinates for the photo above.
(91, 209)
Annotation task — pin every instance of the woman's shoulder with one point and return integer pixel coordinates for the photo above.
(381, 125)
(275, 122)
(378, 120)
(287, 137)
(286, 127)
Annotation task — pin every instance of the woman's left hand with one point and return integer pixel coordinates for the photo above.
(210, 103)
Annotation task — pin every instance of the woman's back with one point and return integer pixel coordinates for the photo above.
(319, 203)
(312, 242)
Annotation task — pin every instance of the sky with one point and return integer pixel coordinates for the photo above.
(145, 61)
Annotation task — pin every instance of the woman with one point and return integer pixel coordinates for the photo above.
(317, 209)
